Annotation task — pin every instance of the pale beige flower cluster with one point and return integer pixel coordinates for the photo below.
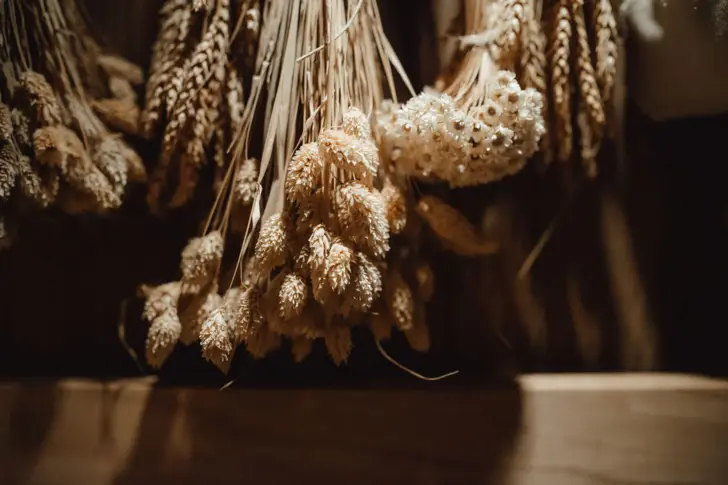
(429, 137)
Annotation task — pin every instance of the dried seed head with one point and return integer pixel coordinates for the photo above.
(162, 338)
(167, 53)
(395, 203)
(452, 228)
(366, 284)
(200, 261)
(246, 182)
(53, 145)
(606, 50)
(301, 348)
(248, 316)
(338, 343)
(34, 90)
(215, 340)
(292, 296)
(357, 124)
(559, 51)
(6, 123)
(271, 249)
(338, 266)
(160, 300)
(118, 114)
(301, 263)
(400, 301)
(304, 174)
(109, 158)
(320, 245)
(195, 309)
(363, 216)
(352, 155)
(8, 169)
(59, 147)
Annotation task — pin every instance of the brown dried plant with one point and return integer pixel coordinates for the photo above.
(64, 154)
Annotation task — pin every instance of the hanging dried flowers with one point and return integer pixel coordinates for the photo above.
(59, 102)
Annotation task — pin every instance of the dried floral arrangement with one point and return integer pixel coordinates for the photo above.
(63, 106)
(326, 230)
(319, 262)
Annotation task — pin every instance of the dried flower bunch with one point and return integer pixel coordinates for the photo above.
(571, 58)
(318, 264)
(430, 137)
(55, 148)
(194, 95)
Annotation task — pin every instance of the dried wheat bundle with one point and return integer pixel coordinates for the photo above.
(194, 95)
(319, 258)
(56, 150)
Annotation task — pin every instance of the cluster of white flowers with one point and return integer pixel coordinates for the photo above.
(431, 138)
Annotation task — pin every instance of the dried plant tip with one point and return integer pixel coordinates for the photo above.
(34, 90)
(292, 296)
(606, 50)
(160, 300)
(453, 229)
(59, 147)
(6, 123)
(162, 338)
(357, 124)
(271, 249)
(400, 301)
(366, 284)
(319, 245)
(560, 55)
(395, 203)
(510, 23)
(115, 66)
(246, 182)
(247, 317)
(338, 343)
(109, 158)
(118, 114)
(194, 310)
(301, 348)
(8, 169)
(338, 266)
(380, 326)
(354, 156)
(200, 261)
(303, 174)
(215, 340)
(362, 214)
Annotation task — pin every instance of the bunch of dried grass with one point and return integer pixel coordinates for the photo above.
(194, 95)
(570, 56)
(55, 148)
(318, 264)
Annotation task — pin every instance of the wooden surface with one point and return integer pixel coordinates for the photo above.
(565, 430)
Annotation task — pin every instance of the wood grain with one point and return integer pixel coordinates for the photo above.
(566, 430)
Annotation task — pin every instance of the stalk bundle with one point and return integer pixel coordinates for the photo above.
(61, 101)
